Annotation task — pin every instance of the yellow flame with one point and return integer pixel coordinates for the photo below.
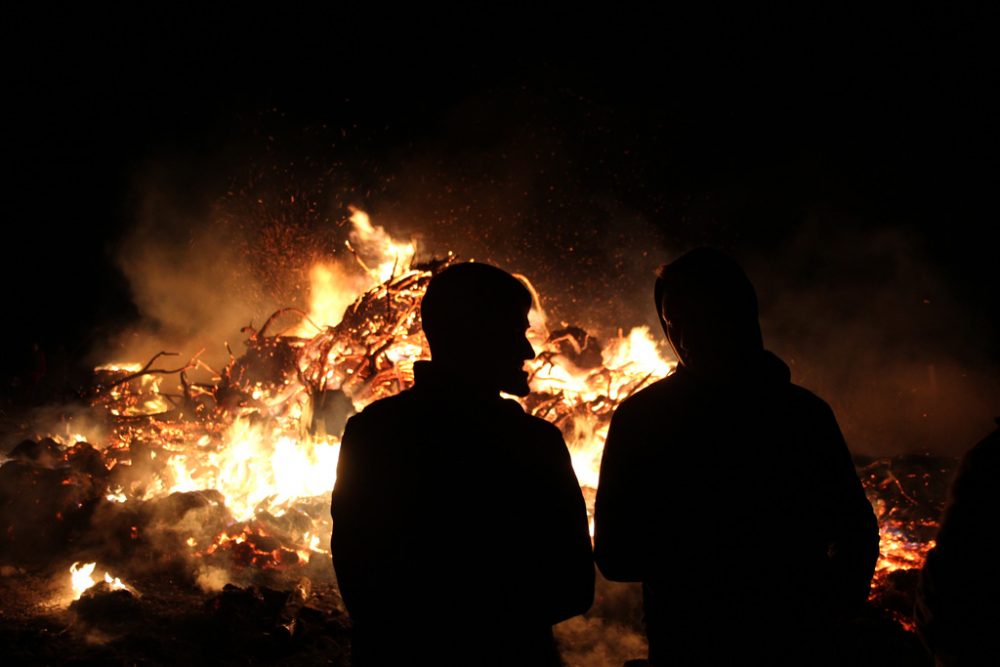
(116, 496)
(383, 256)
(312, 546)
(258, 465)
(116, 583)
(268, 464)
(268, 467)
(332, 289)
(119, 367)
(628, 364)
(81, 578)
(638, 352)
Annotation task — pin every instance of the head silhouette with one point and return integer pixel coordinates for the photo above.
(708, 309)
(475, 317)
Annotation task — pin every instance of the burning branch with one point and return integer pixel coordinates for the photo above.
(147, 370)
(254, 335)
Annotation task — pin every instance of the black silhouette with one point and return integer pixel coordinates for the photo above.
(460, 532)
(728, 491)
(958, 606)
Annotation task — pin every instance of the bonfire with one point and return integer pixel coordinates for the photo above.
(228, 480)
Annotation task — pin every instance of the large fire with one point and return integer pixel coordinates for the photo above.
(262, 433)
(259, 441)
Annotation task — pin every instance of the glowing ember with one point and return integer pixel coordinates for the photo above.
(900, 552)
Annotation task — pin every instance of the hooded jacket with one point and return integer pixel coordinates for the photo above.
(736, 503)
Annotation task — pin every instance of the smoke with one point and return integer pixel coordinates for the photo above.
(205, 259)
(610, 634)
(67, 423)
(211, 579)
(867, 321)
(202, 266)
(191, 283)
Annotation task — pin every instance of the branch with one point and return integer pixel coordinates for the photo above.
(261, 333)
(147, 370)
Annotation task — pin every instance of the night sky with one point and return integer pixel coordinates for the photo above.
(849, 162)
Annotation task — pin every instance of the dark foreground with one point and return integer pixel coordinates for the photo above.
(304, 624)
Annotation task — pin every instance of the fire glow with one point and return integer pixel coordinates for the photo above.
(264, 432)
(81, 578)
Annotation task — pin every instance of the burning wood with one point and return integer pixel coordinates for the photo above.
(233, 475)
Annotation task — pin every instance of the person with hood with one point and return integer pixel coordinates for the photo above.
(958, 600)
(459, 529)
(728, 491)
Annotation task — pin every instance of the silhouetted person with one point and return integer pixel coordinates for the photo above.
(958, 608)
(459, 529)
(728, 491)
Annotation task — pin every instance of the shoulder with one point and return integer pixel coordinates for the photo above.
(534, 439)
(652, 399)
(980, 465)
(986, 451)
(388, 405)
(534, 426)
(806, 402)
(380, 414)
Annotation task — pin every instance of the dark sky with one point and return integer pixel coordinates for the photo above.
(830, 153)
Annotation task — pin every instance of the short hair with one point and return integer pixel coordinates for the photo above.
(469, 296)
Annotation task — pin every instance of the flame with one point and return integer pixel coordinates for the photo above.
(628, 363)
(256, 466)
(120, 367)
(81, 579)
(332, 288)
(268, 464)
(260, 456)
(638, 352)
(379, 253)
(313, 547)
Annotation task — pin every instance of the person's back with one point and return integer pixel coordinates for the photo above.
(958, 610)
(460, 532)
(729, 492)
